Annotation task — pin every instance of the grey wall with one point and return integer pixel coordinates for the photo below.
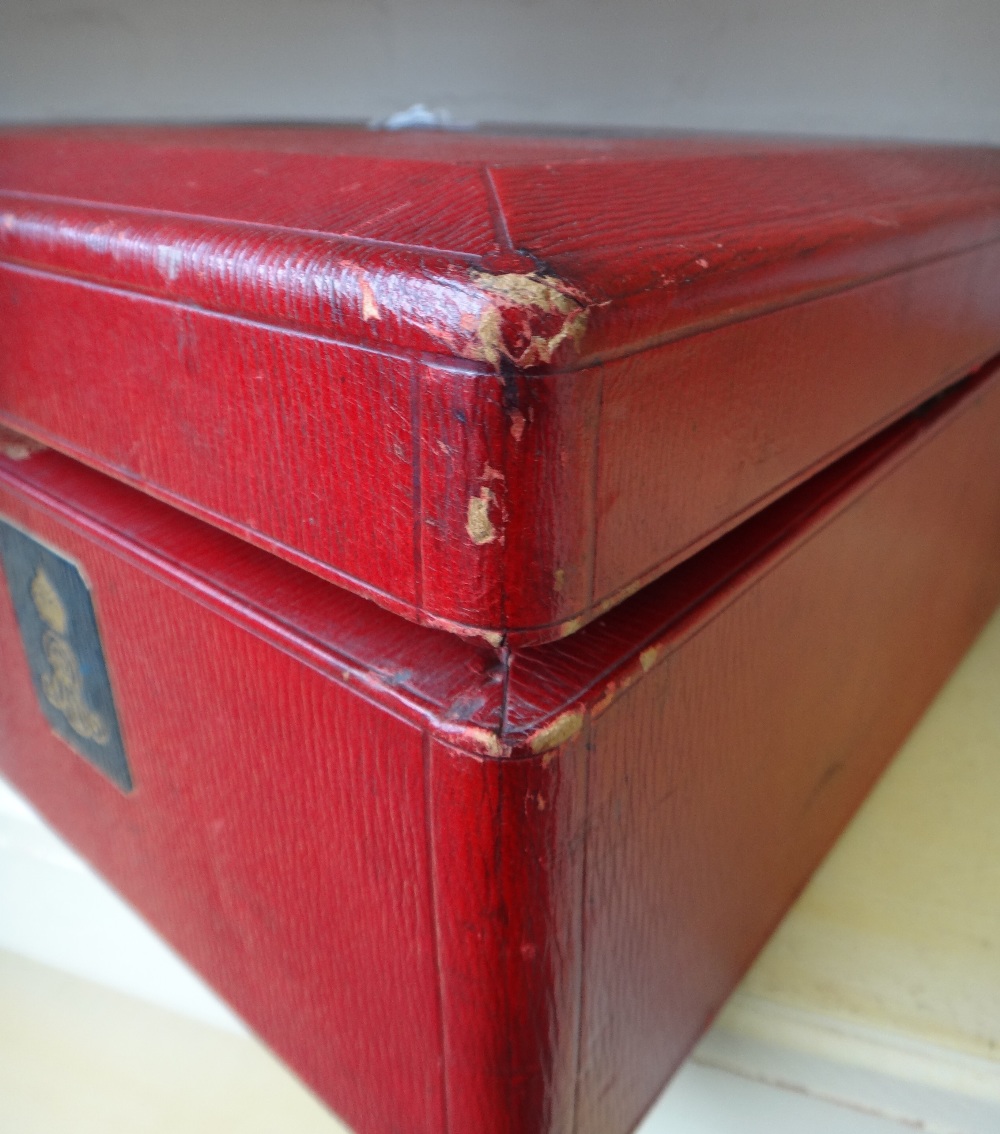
(920, 68)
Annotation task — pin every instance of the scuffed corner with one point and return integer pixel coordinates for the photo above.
(526, 318)
(486, 743)
(563, 728)
(16, 447)
(370, 310)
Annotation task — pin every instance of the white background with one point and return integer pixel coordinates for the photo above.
(920, 68)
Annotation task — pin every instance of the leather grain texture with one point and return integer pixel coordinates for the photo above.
(467, 889)
(494, 383)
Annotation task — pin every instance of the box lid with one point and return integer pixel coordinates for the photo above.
(495, 383)
(515, 703)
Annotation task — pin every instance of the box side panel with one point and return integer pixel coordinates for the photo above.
(718, 782)
(508, 858)
(463, 496)
(507, 468)
(295, 443)
(477, 501)
(523, 494)
(275, 834)
(698, 434)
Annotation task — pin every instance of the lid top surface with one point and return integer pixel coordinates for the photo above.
(608, 215)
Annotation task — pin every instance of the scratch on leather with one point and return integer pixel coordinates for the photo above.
(369, 304)
(478, 523)
(565, 726)
(526, 318)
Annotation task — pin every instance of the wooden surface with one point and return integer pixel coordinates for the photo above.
(77, 1058)
(154, 1072)
(493, 383)
(890, 960)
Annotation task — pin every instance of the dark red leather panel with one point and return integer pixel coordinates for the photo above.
(276, 834)
(793, 390)
(722, 777)
(508, 852)
(168, 424)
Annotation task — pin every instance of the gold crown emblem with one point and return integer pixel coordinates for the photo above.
(48, 603)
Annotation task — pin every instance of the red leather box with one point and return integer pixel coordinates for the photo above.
(493, 383)
(494, 878)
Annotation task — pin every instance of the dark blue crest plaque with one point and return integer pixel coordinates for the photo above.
(61, 640)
